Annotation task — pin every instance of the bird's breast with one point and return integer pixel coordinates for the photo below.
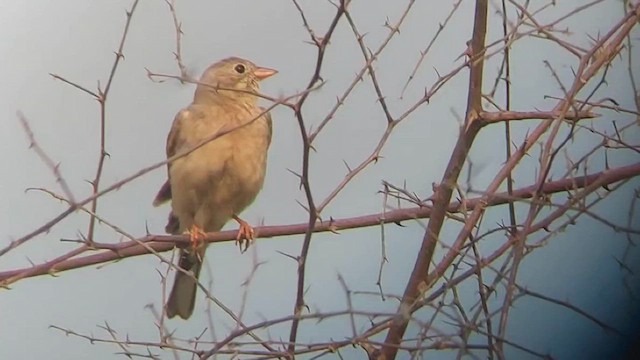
(246, 165)
(227, 172)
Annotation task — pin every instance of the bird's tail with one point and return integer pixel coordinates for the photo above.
(183, 294)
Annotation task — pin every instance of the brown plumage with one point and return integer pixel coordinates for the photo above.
(217, 181)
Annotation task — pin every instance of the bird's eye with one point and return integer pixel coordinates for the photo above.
(240, 69)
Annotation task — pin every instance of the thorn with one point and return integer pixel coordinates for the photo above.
(333, 227)
(304, 207)
(347, 165)
(294, 258)
(294, 173)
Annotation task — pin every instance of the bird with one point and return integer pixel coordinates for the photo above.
(218, 180)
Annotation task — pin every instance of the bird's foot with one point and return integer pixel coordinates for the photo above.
(196, 236)
(246, 234)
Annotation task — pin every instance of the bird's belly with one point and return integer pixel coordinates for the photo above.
(244, 174)
(214, 188)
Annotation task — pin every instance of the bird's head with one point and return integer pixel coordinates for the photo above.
(231, 78)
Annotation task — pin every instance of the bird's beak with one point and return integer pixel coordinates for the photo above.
(263, 73)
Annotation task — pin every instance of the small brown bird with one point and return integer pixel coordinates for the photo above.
(217, 181)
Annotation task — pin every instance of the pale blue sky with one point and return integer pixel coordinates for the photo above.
(76, 39)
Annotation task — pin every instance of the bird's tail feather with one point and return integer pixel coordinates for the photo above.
(183, 294)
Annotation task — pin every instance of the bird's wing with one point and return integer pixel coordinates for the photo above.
(269, 123)
(164, 194)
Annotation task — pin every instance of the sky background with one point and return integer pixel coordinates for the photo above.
(77, 39)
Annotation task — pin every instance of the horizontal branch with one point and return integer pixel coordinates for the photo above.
(160, 243)
(501, 116)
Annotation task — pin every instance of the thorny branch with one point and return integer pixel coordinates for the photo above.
(433, 284)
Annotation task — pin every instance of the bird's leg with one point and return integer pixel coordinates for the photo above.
(196, 236)
(246, 234)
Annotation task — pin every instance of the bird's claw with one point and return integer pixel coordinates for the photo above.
(196, 237)
(245, 236)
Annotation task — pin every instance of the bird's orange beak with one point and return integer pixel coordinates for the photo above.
(263, 73)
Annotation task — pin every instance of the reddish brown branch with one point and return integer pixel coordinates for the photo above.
(161, 243)
(418, 279)
(500, 116)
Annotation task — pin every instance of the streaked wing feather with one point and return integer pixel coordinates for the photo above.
(164, 194)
